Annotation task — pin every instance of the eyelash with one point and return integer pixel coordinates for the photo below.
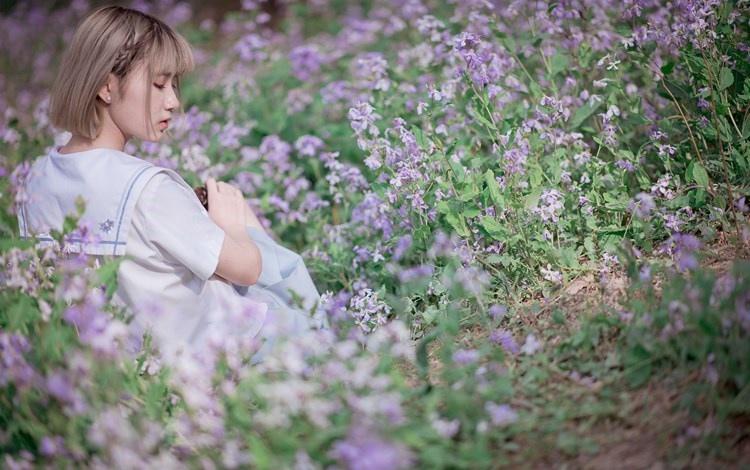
(161, 87)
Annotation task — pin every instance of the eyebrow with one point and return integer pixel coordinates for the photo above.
(164, 74)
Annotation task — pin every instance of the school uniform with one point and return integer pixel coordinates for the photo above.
(150, 215)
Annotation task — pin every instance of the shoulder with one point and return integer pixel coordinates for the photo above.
(127, 159)
(166, 189)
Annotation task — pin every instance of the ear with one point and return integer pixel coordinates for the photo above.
(105, 92)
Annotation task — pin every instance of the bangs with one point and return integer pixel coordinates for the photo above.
(168, 54)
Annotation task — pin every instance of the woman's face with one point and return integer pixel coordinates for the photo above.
(127, 107)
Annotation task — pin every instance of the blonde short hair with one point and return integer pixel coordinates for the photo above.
(115, 40)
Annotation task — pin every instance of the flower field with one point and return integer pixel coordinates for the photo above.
(529, 222)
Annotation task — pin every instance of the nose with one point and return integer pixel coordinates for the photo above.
(172, 100)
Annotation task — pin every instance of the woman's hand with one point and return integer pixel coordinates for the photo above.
(227, 207)
(252, 219)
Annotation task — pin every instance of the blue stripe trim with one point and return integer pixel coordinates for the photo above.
(25, 219)
(120, 205)
(22, 219)
(124, 204)
(75, 240)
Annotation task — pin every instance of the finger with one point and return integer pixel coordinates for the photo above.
(211, 189)
(224, 187)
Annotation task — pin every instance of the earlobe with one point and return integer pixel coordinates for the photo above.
(105, 93)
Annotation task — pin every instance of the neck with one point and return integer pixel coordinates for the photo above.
(110, 137)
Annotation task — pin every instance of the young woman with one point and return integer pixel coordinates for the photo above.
(190, 275)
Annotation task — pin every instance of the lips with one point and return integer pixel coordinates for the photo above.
(164, 124)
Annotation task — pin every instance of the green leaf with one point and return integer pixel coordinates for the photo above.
(108, 275)
(20, 314)
(535, 175)
(492, 226)
(532, 199)
(422, 353)
(468, 193)
(471, 212)
(536, 90)
(495, 192)
(568, 257)
(726, 79)
(638, 362)
(419, 135)
(509, 43)
(700, 175)
(558, 63)
(458, 223)
(583, 113)
(444, 207)
(458, 169)
(588, 243)
(486, 122)
(261, 454)
(584, 55)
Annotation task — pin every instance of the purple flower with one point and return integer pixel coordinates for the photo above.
(445, 428)
(402, 246)
(306, 61)
(531, 345)
(642, 206)
(498, 311)
(515, 157)
(550, 206)
(51, 446)
(416, 272)
(95, 327)
(472, 279)
(251, 47)
(59, 386)
(338, 91)
(683, 247)
(17, 184)
(465, 356)
(741, 204)
(368, 311)
(362, 118)
(505, 339)
(364, 449)
(13, 366)
(370, 69)
(644, 273)
(335, 305)
(500, 415)
(742, 306)
(551, 275)
(373, 214)
(625, 165)
(230, 135)
(308, 145)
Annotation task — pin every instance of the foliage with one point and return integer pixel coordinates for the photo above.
(439, 165)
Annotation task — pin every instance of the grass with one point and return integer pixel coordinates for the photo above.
(579, 410)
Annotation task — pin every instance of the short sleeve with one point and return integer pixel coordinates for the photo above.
(179, 226)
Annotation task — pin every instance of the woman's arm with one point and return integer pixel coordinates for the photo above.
(240, 260)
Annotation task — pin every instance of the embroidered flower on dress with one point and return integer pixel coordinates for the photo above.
(106, 226)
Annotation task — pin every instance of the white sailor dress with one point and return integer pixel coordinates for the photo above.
(171, 247)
